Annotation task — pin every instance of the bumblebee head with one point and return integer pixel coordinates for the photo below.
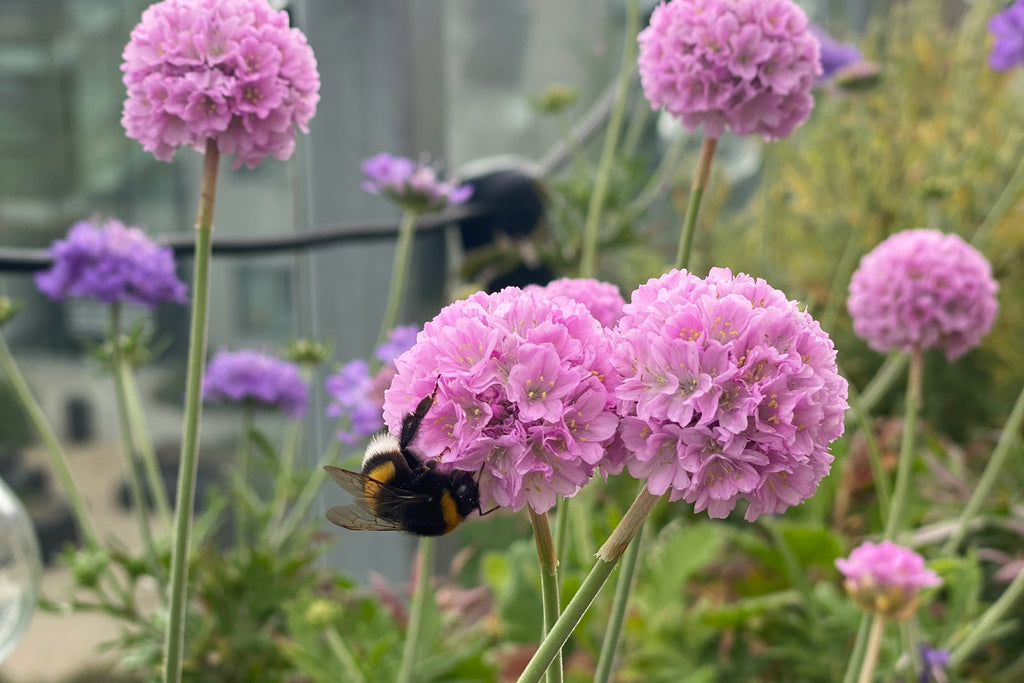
(466, 493)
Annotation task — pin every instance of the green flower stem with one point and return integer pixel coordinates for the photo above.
(889, 372)
(1007, 198)
(1007, 440)
(700, 183)
(139, 499)
(245, 443)
(867, 670)
(607, 557)
(857, 655)
(988, 620)
(349, 668)
(58, 458)
(662, 175)
(623, 587)
(244, 517)
(399, 269)
(588, 259)
(283, 485)
(307, 495)
(894, 523)
(548, 560)
(175, 643)
(144, 445)
(562, 528)
(579, 161)
(421, 600)
(874, 454)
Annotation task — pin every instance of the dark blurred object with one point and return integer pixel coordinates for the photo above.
(79, 416)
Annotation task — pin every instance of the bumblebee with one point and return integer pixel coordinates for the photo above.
(398, 491)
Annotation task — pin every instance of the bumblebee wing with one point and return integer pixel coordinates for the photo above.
(377, 506)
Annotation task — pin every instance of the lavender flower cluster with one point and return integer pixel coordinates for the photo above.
(413, 186)
(256, 377)
(746, 66)
(111, 262)
(1007, 27)
(231, 70)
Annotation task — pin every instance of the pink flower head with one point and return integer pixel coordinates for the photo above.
(358, 396)
(415, 187)
(231, 70)
(746, 66)
(252, 376)
(111, 262)
(923, 289)
(728, 391)
(523, 394)
(886, 578)
(602, 299)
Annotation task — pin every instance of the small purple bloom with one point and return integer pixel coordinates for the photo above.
(359, 397)
(523, 394)
(934, 661)
(833, 54)
(727, 391)
(602, 299)
(112, 263)
(923, 289)
(1007, 26)
(886, 578)
(414, 187)
(746, 66)
(231, 70)
(252, 376)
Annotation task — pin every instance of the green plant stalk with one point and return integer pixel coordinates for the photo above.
(1007, 198)
(562, 527)
(867, 670)
(700, 183)
(144, 445)
(399, 270)
(607, 557)
(307, 495)
(283, 485)
(890, 370)
(58, 458)
(349, 669)
(579, 161)
(874, 454)
(613, 632)
(661, 176)
(843, 271)
(139, 499)
(857, 654)
(894, 523)
(588, 259)
(175, 642)
(421, 598)
(244, 518)
(548, 560)
(988, 621)
(1007, 440)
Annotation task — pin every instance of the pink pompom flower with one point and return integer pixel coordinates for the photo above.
(727, 391)
(886, 578)
(523, 394)
(923, 289)
(746, 66)
(230, 70)
(602, 299)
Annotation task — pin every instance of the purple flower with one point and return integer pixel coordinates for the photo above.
(886, 578)
(833, 55)
(728, 391)
(933, 664)
(359, 397)
(231, 70)
(923, 289)
(523, 394)
(602, 299)
(112, 263)
(1007, 26)
(252, 376)
(415, 187)
(746, 66)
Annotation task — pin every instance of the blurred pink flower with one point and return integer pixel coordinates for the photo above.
(231, 70)
(602, 299)
(923, 289)
(886, 578)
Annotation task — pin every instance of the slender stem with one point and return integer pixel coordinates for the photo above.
(579, 161)
(562, 528)
(58, 458)
(1007, 440)
(843, 270)
(888, 373)
(874, 454)
(174, 646)
(349, 668)
(285, 477)
(867, 671)
(399, 270)
(307, 495)
(857, 655)
(988, 620)
(421, 599)
(623, 587)
(607, 557)
(144, 445)
(1006, 199)
(139, 499)
(244, 518)
(894, 523)
(700, 183)
(548, 560)
(588, 259)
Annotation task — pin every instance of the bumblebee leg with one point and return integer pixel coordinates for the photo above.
(411, 422)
